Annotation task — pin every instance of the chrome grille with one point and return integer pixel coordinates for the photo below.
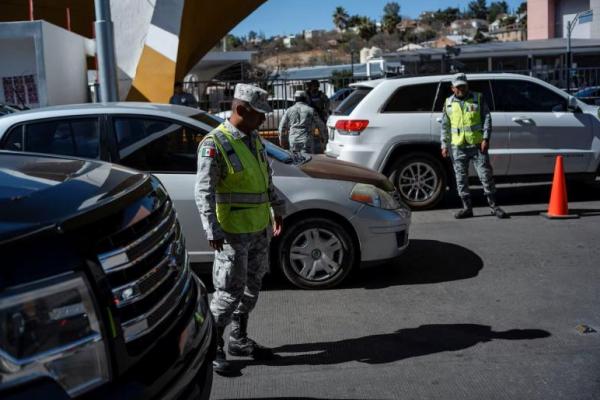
(149, 276)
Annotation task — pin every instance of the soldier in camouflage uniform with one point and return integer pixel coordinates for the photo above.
(466, 128)
(298, 124)
(318, 100)
(238, 207)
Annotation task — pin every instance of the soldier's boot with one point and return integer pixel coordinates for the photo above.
(497, 211)
(466, 211)
(220, 364)
(240, 345)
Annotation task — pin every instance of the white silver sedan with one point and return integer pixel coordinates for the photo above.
(339, 215)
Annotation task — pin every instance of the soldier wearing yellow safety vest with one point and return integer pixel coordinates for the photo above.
(239, 209)
(466, 129)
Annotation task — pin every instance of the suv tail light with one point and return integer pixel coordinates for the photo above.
(351, 126)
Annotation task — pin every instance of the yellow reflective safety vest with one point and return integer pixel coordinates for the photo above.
(242, 196)
(465, 122)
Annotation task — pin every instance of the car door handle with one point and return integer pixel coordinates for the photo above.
(525, 120)
(439, 120)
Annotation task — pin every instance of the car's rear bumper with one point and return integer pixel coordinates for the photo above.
(383, 234)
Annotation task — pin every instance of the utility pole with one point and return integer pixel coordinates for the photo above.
(105, 48)
(581, 17)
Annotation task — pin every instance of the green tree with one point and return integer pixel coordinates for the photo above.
(340, 18)
(477, 9)
(497, 8)
(367, 29)
(252, 35)
(522, 8)
(232, 42)
(391, 17)
(355, 20)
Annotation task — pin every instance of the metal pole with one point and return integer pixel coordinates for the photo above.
(105, 48)
(68, 18)
(569, 56)
(352, 62)
(31, 10)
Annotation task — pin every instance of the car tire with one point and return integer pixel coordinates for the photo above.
(305, 248)
(419, 192)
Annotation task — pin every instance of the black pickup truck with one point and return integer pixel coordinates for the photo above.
(97, 299)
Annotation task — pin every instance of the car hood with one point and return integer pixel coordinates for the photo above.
(38, 191)
(324, 167)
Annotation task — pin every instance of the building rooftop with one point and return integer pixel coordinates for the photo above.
(502, 49)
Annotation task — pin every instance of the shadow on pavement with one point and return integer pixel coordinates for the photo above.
(582, 212)
(425, 261)
(525, 194)
(396, 346)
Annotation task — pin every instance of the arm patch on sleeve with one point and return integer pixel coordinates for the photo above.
(208, 149)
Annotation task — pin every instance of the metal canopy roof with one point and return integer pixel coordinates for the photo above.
(507, 49)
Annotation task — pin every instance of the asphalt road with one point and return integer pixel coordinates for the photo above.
(477, 309)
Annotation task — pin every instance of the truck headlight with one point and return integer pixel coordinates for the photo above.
(51, 329)
(373, 196)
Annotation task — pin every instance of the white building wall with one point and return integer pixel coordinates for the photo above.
(64, 58)
(131, 19)
(18, 60)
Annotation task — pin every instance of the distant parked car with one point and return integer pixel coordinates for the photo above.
(589, 95)
(393, 126)
(338, 97)
(340, 215)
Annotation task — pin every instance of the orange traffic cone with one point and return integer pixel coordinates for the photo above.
(558, 207)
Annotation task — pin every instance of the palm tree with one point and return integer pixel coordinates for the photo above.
(340, 18)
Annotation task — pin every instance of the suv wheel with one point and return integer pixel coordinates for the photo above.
(316, 253)
(420, 180)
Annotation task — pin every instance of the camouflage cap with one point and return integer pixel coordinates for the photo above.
(254, 96)
(459, 79)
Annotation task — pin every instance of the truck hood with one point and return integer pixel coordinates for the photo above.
(323, 167)
(39, 191)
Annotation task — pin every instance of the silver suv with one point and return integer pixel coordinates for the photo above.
(393, 126)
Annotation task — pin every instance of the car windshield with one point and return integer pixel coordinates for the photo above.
(208, 119)
(285, 156)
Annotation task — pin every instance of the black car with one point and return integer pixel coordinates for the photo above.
(97, 299)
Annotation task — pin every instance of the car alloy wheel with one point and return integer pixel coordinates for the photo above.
(420, 180)
(316, 253)
(417, 182)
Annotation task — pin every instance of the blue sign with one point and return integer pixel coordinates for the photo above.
(586, 16)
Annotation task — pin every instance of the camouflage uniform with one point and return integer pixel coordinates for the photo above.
(462, 155)
(320, 102)
(298, 124)
(239, 268)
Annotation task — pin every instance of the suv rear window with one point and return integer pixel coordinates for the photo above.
(412, 98)
(348, 105)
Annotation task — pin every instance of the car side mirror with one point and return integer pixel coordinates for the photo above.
(573, 104)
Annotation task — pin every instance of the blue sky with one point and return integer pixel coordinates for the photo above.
(292, 16)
